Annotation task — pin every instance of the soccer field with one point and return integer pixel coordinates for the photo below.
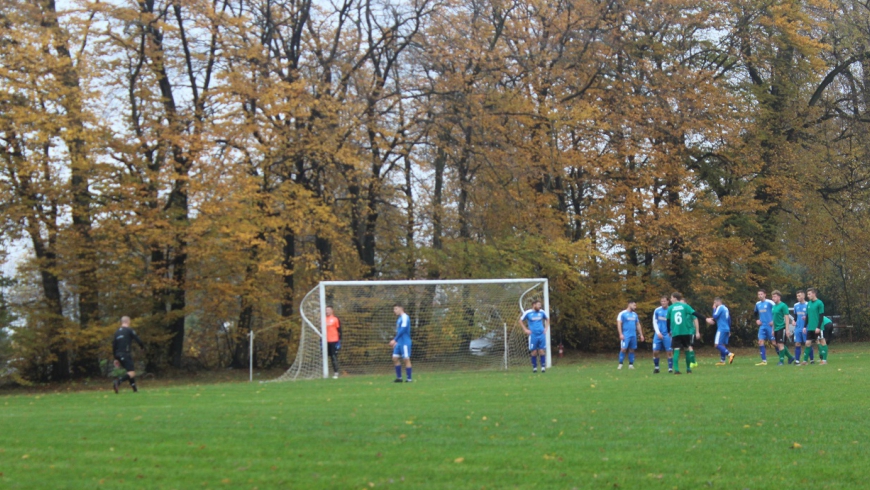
(580, 425)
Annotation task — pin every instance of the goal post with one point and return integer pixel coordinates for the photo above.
(465, 324)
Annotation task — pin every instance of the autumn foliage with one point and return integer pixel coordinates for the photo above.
(200, 165)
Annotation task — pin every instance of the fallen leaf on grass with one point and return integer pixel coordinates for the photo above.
(458, 460)
(795, 446)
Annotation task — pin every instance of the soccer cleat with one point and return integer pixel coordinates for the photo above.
(694, 365)
(780, 363)
(115, 385)
(409, 380)
(335, 376)
(731, 358)
(792, 360)
(720, 363)
(656, 371)
(619, 367)
(670, 371)
(762, 363)
(631, 366)
(397, 380)
(135, 389)
(813, 361)
(823, 361)
(677, 372)
(534, 370)
(804, 363)
(688, 371)
(543, 370)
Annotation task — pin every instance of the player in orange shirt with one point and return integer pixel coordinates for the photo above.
(333, 338)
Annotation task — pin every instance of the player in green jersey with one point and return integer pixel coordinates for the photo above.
(781, 322)
(814, 328)
(684, 327)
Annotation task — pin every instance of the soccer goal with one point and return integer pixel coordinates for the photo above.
(455, 324)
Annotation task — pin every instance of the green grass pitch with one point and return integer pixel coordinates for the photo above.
(581, 425)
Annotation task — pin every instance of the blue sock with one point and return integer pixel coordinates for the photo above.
(656, 362)
(811, 353)
(797, 353)
(534, 361)
(621, 357)
(631, 357)
(543, 361)
(408, 372)
(670, 363)
(399, 371)
(763, 350)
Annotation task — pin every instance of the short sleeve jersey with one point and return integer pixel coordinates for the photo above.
(535, 320)
(815, 310)
(629, 323)
(332, 326)
(722, 316)
(403, 329)
(660, 319)
(681, 317)
(780, 311)
(826, 321)
(765, 312)
(800, 311)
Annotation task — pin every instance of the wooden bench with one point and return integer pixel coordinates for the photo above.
(849, 328)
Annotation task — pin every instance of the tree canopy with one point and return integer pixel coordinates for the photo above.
(200, 165)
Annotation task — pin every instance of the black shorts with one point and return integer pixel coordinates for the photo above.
(126, 361)
(812, 336)
(683, 341)
(779, 336)
(331, 348)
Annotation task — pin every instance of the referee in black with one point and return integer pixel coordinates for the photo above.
(121, 346)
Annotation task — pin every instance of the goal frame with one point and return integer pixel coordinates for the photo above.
(322, 285)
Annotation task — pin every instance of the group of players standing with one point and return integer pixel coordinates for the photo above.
(676, 325)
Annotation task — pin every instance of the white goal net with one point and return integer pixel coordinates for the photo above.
(455, 325)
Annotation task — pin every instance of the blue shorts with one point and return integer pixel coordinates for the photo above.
(628, 343)
(722, 338)
(765, 333)
(402, 350)
(537, 342)
(799, 336)
(664, 343)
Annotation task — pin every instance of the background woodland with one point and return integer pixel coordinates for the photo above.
(200, 165)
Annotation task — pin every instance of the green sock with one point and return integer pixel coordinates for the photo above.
(677, 360)
(788, 354)
(689, 361)
(823, 352)
(807, 353)
(692, 355)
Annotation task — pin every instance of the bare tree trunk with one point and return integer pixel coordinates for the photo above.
(80, 167)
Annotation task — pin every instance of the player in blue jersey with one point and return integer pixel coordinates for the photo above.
(401, 344)
(764, 315)
(538, 323)
(662, 337)
(722, 319)
(800, 335)
(628, 325)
